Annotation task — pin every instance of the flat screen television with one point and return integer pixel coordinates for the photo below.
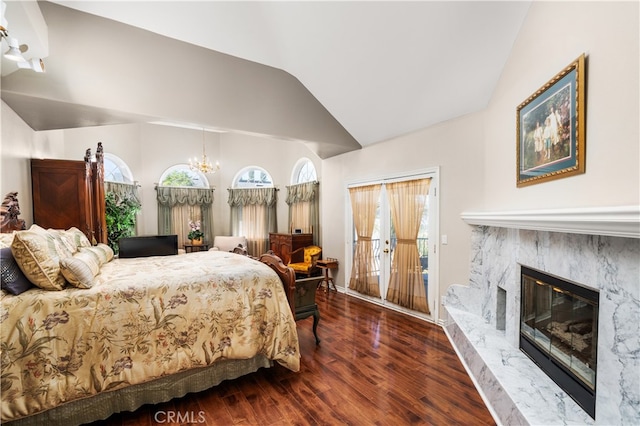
(144, 246)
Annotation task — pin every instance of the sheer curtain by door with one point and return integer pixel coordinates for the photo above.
(177, 206)
(407, 201)
(253, 215)
(304, 209)
(364, 277)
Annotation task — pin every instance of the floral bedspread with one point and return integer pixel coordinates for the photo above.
(145, 318)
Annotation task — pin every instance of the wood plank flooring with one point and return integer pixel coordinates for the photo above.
(372, 367)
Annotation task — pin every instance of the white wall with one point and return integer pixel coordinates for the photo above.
(456, 147)
(18, 145)
(552, 36)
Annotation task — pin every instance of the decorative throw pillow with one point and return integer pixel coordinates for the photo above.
(81, 268)
(66, 241)
(6, 239)
(38, 258)
(53, 239)
(102, 252)
(78, 237)
(12, 278)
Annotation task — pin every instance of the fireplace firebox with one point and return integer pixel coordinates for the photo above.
(559, 332)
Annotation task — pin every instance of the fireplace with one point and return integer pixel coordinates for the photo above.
(559, 332)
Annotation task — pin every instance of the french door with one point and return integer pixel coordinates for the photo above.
(380, 279)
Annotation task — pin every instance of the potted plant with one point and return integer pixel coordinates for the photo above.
(120, 218)
(195, 234)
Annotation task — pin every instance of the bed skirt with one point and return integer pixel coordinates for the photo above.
(103, 405)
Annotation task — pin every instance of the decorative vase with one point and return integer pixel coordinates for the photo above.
(196, 241)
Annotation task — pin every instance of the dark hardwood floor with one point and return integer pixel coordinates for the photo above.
(373, 367)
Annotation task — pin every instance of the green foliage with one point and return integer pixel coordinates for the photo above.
(121, 219)
(178, 178)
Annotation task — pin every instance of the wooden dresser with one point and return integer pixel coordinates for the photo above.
(283, 244)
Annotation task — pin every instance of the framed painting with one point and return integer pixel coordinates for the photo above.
(550, 141)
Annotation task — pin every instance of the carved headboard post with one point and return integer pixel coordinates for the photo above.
(99, 220)
(9, 212)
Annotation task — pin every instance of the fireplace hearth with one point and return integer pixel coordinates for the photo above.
(559, 332)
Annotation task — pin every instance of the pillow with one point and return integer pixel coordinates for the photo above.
(78, 237)
(102, 253)
(53, 239)
(66, 241)
(5, 239)
(12, 279)
(81, 268)
(37, 255)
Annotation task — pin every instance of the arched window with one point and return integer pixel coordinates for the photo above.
(302, 198)
(184, 196)
(253, 201)
(253, 177)
(304, 171)
(116, 170)
(121, 195)
(181, 175)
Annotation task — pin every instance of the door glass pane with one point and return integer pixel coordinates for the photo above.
(423, 245)
(375, 241)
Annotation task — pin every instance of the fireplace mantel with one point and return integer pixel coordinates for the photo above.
(621, 221)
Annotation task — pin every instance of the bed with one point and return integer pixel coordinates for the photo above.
(145, 330)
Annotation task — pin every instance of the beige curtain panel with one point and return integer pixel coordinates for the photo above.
(364, 274)
(123, 191)
(304, 209)
(407, 201)
(176, 206)
(253, 215)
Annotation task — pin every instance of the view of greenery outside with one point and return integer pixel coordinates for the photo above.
(178, 178)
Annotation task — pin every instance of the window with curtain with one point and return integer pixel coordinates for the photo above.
(407, 202)
(302, 199)
(253, 202)
(364, 275)
(184, 195)
(122, 201)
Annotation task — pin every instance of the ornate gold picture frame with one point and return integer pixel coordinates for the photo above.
(550, 141)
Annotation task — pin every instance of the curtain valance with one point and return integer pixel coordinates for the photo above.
(123, 191)
(171, 196)
(301, 192)
(250, 196)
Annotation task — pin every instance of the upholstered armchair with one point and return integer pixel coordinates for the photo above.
(303, 260)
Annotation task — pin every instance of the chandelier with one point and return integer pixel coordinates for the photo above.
(204, 166)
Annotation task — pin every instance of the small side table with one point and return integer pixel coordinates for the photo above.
(191, 248)
(327, 265)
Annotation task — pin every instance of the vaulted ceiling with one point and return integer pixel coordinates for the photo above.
(335, 75)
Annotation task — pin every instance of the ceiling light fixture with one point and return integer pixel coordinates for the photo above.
(205, 165)
(35, 64)
(14, 52)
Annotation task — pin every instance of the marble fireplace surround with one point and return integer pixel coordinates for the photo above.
(599, 248)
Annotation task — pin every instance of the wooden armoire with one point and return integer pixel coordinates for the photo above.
(70, 193)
